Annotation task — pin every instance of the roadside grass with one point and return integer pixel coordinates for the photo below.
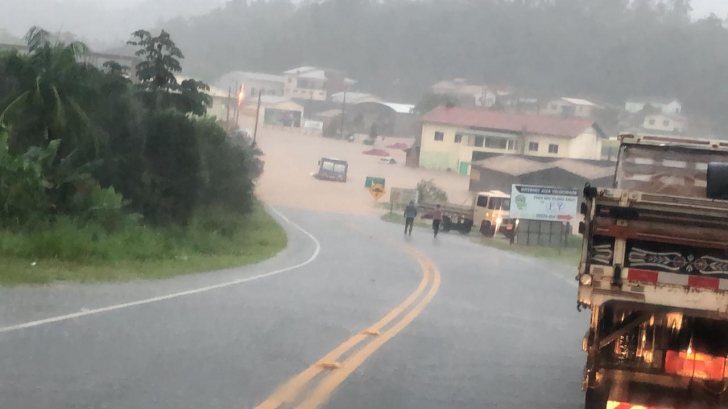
(569, 255)
(66, 251)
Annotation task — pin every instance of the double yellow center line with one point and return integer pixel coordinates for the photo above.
(301, 393)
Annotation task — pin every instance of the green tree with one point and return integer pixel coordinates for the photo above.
(191, 97)
(160, 60)
(45, 102)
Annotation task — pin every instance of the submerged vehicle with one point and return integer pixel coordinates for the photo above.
(332, 169)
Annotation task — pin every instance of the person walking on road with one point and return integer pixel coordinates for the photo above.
(436, 219)
(410, 212)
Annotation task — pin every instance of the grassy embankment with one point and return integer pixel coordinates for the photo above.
(66, 251)
(569, 255)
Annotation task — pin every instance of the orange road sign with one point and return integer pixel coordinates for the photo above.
(377, 191)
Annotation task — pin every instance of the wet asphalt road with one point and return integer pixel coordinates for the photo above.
(502, 331)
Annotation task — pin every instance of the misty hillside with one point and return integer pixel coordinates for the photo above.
(604, 49)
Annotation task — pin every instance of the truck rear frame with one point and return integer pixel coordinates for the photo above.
(654, 271)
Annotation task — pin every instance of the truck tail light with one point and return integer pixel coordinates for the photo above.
(695, 365)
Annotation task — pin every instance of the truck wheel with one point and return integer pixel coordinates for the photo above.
(596, 398)
(487, 230)
(446, 224)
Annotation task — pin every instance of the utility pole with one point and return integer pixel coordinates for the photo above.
(241, 96)
(237, 106)
(227, 116)
(257, 116)
(343, 115)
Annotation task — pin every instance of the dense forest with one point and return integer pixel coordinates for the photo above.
(608, 50)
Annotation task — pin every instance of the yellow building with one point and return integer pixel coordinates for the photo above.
(451, 135)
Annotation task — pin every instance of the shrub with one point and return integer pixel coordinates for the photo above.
(429, 192)
(171, 180)
(228, 167)
(24, 182)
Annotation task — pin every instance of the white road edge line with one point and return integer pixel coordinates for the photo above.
(180, 294)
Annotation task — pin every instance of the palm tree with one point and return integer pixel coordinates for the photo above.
(45, 105)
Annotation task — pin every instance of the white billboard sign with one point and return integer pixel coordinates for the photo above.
(313, 124)
(553, 204)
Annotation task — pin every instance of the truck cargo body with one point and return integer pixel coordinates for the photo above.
(654, 272)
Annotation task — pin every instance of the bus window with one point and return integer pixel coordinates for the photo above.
(482, 201)
(499, 203)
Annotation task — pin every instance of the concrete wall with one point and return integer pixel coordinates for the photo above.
(441, 155)
(588, 145)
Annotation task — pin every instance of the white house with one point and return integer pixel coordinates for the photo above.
(314, 84)
(571, 108)
(673, 123)
(666, 105)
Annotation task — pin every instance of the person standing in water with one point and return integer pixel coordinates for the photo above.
(436, 219)
(410, 212)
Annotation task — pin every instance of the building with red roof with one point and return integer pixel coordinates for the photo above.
(450, 135)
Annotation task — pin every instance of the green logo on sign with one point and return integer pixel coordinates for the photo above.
(521, 202)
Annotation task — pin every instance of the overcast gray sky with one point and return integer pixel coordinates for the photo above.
(702, 8)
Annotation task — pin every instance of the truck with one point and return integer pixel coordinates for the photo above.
(654, 275)
(489, 211)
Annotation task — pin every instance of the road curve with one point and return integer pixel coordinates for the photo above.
(419, 323)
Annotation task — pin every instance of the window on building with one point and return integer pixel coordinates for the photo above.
(676, 130)
(553, 148)
(665, 123)
(458, 138)
(439, 136)
(554, 107)
(495, 142)
(479, 141)
(511, 145)
(533, 146)
(652, 122)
